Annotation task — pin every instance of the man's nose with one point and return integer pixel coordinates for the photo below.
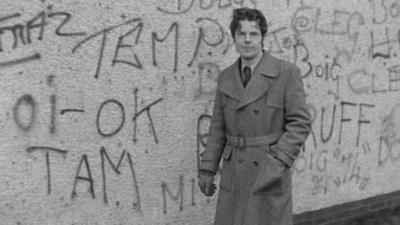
(247, 38)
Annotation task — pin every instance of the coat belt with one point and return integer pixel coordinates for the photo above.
(240, 141)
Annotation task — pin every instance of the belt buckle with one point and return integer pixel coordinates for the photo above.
(241, 141)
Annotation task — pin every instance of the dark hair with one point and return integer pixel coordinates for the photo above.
(250, 15)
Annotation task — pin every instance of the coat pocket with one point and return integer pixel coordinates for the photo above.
(226, 182)
(269, 180)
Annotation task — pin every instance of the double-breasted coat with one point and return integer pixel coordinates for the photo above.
(257, 132)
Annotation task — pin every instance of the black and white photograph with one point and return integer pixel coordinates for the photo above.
(199, 112)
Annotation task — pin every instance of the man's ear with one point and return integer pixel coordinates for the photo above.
(262, 41)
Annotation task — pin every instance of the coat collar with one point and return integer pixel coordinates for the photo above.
(231, 84)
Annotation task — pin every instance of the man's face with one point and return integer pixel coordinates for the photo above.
(248, 39)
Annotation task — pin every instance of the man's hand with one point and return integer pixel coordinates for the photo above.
(206, 184)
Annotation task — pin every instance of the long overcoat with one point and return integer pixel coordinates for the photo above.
(257, 132)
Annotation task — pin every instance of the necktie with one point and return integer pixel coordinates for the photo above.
(246, 75)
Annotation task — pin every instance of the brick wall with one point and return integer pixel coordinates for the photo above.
(378, 210)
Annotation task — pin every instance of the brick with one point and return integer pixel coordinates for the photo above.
(374, 199)
(370, 220)
(393, 219)
(393, 202)
(350, 213)
(384, 217)
(354, 222)
(396, 211)
(377, 205)
(299, 217)
(327, 218)
(351, 205)
(306, 222)
(345, 214)
(343, 222)
(307, 215)
(359, 211)
(333, 209)
(332, 223)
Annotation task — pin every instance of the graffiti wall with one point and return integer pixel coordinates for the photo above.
(106, 104)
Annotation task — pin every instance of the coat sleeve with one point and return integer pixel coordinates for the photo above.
(297, 120)
(216, 138)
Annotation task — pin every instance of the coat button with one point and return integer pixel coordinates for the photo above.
(240, 160)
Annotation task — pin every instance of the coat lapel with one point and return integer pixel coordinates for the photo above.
(260, 81)
(230, 82)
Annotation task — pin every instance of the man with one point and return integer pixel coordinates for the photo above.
(259, 123)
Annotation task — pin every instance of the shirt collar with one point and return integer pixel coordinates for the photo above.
(253, 65)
